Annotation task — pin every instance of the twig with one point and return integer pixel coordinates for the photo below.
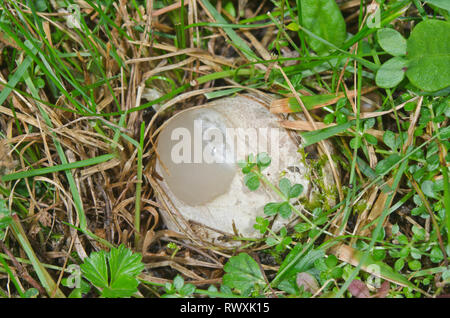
(22, 270)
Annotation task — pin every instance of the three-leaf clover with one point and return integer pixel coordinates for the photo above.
(282, 241)
(251, 166)
(261, 224)
(424, 58)
(289, 192)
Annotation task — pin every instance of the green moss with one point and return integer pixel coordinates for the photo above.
(360, 207)
(318, 200)
(326, 193)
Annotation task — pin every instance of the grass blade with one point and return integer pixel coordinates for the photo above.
(237, 41)
(44, 277)
(63, 167)
(312, 137)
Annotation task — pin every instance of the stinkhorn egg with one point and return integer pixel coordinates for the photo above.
(202, 186)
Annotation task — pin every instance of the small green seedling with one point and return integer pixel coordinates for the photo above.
(78, 291)
(174, 247)
(178, 289)
(252, 167)
(281, 241)
(289, 192)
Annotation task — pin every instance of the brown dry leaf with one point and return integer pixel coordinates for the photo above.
(308, 282)
(45, 218)
(383, 290)
(378, 207)
(6, 161)
(148, 239)
(358, 289)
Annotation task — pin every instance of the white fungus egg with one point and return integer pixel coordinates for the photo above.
(202, 189)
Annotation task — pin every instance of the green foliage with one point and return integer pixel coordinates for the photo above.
(251, 180)
(325, 20)
(178, 289)
(263, 160)
(328, 268)
(281, 241)
(114, 273)
(229, 7)
(251, 166)
(425, 59)
(386, 164)
(5, 218)
(413, 250)
(429, 55)
(31, 293)
(289, 192)
(443, 4)
(430, 189)
(298, 262)
(312, 137)
(391, 140)
(262, 224)
(77, 292)
(243, 274)
(392, 41)
(391, 73)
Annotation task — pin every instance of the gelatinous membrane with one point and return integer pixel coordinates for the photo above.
(196, 159)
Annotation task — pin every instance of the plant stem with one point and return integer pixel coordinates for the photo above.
(137, 213)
